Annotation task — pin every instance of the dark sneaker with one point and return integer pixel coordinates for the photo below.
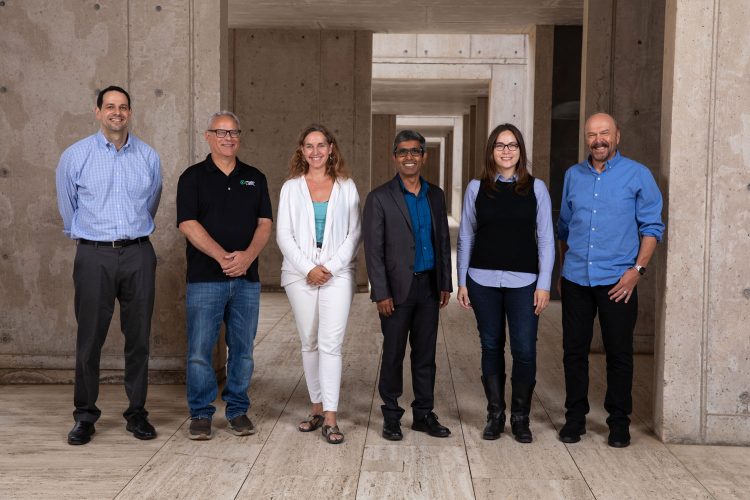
(200, 429)
(241, 426)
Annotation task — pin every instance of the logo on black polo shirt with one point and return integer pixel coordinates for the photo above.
(247, 183)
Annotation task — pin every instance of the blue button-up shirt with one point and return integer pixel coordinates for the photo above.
(421, 225)
(602, 217)
(499, 278)
(106, 195)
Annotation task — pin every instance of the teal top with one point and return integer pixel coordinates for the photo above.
(320, 208)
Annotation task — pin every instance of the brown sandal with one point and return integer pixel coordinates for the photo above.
(333, 430)
(313, 423)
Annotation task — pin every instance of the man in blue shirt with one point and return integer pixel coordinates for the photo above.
(108, 190)
(408, 254)
(609, 225)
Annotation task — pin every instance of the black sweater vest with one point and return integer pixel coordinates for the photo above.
(505, 237)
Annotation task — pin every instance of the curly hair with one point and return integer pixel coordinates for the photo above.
(335, 166)
(489, 173)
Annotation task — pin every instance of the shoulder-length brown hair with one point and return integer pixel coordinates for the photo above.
(523, 179)
(335, 166)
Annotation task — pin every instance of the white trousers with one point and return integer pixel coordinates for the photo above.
(321, 314)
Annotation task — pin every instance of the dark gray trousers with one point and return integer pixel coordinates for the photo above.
(100, 276)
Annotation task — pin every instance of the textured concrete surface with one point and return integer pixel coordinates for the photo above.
(54, 57)
(621, 75)
(703, 351)
(285, 80)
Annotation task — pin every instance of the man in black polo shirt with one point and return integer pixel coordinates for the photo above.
(224, 210)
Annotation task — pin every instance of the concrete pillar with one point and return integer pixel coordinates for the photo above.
(702, 390)
(448, 171)
(480, 135)
(466, 150)
(621, 75)
(277, 95)
(173, 76)
(542, 48)
(383, 132)
(472, 146)
(431, 168)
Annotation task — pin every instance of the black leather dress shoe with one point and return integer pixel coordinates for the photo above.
(571, 432)
(392, 431)
(429, 424)
(81, 433)
(140, 427)
(619, 436)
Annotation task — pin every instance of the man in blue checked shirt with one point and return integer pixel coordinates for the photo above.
(108, 190)
(610, 222)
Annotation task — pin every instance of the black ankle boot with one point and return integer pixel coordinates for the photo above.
(520, 407)
(494, 389)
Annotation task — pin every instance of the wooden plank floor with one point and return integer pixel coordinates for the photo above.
(279, 462)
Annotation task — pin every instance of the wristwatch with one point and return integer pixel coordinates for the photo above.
(641, 270)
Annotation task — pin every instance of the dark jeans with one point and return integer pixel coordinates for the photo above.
(100, 276)
(492, 305)
(580, 304)
(416, 320)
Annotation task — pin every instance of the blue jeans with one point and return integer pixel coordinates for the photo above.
(237, 303)
(492, 306)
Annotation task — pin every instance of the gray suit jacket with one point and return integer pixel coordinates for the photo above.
(389, 241)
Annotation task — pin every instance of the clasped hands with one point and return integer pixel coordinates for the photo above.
(236, 263)
(318, 276)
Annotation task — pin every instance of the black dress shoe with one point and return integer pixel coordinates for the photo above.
(81, 433)
(140, 427)
(429, 424)
(392, 431)
(571, 432)
(619, 436)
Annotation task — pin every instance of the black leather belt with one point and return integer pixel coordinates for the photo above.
(113, 244)
(424, 273)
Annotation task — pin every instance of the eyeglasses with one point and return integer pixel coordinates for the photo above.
(403, 153)
(513, 146)
(220, 132)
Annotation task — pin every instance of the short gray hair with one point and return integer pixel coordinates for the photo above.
(223, 112)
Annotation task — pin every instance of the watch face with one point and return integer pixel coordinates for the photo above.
(641, 270)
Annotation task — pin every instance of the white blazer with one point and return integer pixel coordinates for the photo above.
(295, 231)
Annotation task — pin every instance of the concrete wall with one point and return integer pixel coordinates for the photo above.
(54, 56)
(383, 132)
(285, 80)
(621, 75)
(703, 348)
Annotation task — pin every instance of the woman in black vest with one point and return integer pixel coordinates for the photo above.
(505, 257)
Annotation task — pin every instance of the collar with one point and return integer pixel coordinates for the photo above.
(500, 178)
(103, 141)
(423, 186)
(608, 164)
(211, 166)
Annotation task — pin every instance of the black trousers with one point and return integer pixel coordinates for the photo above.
(416, 320)
(580, 305)
(100, 276)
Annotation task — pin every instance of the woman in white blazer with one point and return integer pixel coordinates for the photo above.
(318, 231)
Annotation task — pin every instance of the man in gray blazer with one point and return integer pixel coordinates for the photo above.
(408, 254)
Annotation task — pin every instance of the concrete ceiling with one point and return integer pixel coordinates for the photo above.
(412, 97)
(426, 97)
(397, 16)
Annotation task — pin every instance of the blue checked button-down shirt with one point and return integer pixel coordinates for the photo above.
(106, 195)
(421, 225)
(602, 217)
